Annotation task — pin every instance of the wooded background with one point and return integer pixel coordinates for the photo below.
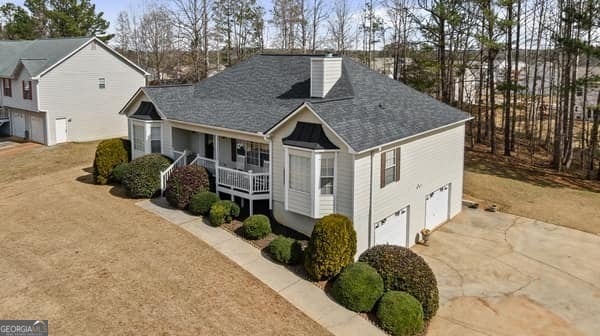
(528, 71)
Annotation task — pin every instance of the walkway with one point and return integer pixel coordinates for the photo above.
(301, 293)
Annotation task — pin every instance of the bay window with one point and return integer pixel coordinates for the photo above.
(299, 170)
(155, 139)
(327, 176)
(139, 138)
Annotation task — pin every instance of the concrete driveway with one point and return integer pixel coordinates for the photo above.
(501, 274)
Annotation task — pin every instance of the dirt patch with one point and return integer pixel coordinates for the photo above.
(511, 315)
(84, 259)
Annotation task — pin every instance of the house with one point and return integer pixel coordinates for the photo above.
(58, 90)
(311, 136)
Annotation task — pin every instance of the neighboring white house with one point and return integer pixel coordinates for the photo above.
(59, 90)
(309, 136)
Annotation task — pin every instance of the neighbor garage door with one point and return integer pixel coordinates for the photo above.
(37, 129)
(18, 124)
(393, 230)
(436, 207)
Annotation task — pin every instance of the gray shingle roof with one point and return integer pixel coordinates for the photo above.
(36, 55)
(365, 108)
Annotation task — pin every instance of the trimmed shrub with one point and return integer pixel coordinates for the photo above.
(358, 287)
(404, 270)
(109, 154)
(185, 182)
(286, 250)
(256, 227)
(119, 171)
(400, 314)
(331, 247)
(223, 212)
(201, 203)
(142, 179)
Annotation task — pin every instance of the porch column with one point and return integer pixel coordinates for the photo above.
(216, 156)
(251, 207)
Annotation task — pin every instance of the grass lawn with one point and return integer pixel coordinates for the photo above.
(537, 193)
(92, 262)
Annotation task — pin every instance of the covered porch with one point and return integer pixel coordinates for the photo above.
(240, 167)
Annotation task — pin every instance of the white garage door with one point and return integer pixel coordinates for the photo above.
(61, 130)
(18, 124)
(37, 129)
(436, 207)
(393, 230)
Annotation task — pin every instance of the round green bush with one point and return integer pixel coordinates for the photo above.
(256, 227)
(183, 183)
(400, 314)
(404, 270)
(142, 179)
(358, 287)
(119, 171)
(201, 203)
(285, 250)
(223, 212)
(331, 247)
(109, 154)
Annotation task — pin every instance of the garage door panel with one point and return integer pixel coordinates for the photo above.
(437, 205)
(393, 230)
(18, 124)
(37, 129)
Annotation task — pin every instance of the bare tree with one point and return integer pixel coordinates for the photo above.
(123, 31)
(156, 32)
(340, 26)
(318, 15)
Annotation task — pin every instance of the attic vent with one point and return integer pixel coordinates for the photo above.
(93, 45)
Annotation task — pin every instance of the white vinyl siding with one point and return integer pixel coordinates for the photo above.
(71, 90)
(428, 162)
(325, 72)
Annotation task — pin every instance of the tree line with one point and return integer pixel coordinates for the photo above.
(528, 71)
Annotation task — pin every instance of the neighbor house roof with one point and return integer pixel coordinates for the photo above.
(38, 56)
(364, 108)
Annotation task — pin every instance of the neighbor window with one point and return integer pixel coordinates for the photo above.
(299, 173)
(102, 83)
(7, 85)
(155, 139)
(389, 171)
(139, 138)
(327, 172)
(27, 94)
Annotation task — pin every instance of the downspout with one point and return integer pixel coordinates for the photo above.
(371, 202)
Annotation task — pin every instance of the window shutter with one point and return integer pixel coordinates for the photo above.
(23, 87)
(233, 150)
(382, 171)
(397, 164)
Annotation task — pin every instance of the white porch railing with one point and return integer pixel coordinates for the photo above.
(209, 164)
(180, 161)
(249, 182)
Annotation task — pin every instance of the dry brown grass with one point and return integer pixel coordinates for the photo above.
(534, 192)
(91, 262)
(27, 160)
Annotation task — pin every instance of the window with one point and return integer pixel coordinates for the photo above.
(7, 85)
(257, 154)
(327, 172)
(139, 138)
(389, 167)
(299, 173)
(102, 83)
(155, 137)
(27, 94)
